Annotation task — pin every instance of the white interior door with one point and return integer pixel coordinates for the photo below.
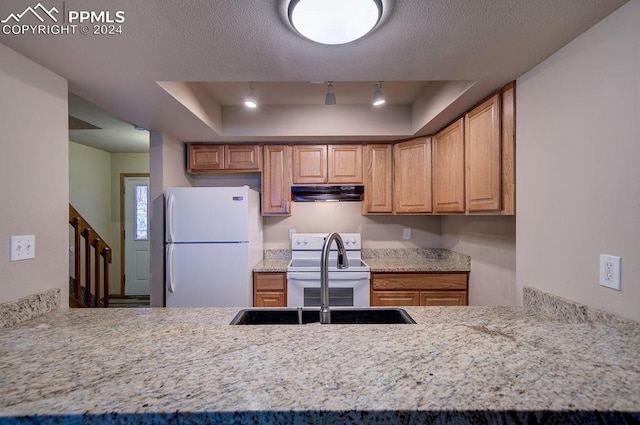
(136, 236)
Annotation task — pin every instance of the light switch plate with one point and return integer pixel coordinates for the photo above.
(22, 247)
(610, 271)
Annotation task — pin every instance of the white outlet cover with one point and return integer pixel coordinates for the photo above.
(610, 271)
(406, 233)
(22, 247)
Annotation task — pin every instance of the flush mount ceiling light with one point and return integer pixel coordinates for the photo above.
(250, 101)
(330, 98)
(334, 21)
(378, 97)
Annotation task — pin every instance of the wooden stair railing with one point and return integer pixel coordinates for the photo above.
(84, 235)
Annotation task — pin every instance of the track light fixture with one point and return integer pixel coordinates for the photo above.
(330, 98)
(250, 101)
(378, 97)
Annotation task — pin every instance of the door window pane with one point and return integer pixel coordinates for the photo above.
(141, 232)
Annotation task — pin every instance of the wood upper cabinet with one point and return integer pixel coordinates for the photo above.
(320, 164)
(378, 179)
(508, 117)
(424, 289)
(276, 180)
(310, 164)
(483, 156)
(242, 157)
(412, 172)
(269, 289)
(448, 169)
(344, 164)
(206, 157)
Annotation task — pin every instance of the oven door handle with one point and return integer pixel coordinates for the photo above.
(334, 276)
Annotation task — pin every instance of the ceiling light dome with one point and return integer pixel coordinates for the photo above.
(334, 21)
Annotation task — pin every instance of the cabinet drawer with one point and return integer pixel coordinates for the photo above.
(395, 298)
(270, 299)
(418, 281)
(270, 281)
(443, 298)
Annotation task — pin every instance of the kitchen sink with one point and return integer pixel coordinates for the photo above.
(339, 316)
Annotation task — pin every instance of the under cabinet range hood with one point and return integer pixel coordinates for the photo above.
(326, 193)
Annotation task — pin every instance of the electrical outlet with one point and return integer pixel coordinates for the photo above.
(23, 247)
(610, 271)
(406, 233)
(291, 233)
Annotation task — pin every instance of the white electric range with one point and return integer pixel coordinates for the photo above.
(347, 287)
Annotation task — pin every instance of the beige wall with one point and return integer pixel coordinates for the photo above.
(578, 157)
(90, 187)
(377, 231)
(166, 159)
(34, 176)
(491, 243)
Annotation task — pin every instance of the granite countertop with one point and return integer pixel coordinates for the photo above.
(386, 260)
(470, 364)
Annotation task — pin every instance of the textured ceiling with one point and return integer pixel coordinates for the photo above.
(477, 45)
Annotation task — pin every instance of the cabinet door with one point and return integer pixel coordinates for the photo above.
(508, 149)
(276, 180)
(483, 156)
(378, 186)
(204, 157)
(448, 169)
(395, 298)
(242, 157)
(443, 298)
(310, 164)
(413, 176)
(270, 299)
(344, 164)
(269, 290)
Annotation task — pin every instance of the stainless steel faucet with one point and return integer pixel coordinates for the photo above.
(343, 263)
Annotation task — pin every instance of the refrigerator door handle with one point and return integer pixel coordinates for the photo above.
(170, 269)
(170, 202)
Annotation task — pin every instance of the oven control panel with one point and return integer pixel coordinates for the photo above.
(315, 241)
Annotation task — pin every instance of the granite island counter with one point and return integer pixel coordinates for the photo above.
(470, 364)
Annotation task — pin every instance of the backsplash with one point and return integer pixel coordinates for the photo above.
(346, 217)
(14, 312)
(561, 309)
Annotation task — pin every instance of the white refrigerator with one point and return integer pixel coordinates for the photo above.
(213, 240)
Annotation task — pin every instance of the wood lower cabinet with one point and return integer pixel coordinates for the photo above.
(443, 298)
(483, 156)
(412, 172)
(269, 289)
(448, 169)
(395, 298)
(276, 180)
(211, 158)
(419, 289)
